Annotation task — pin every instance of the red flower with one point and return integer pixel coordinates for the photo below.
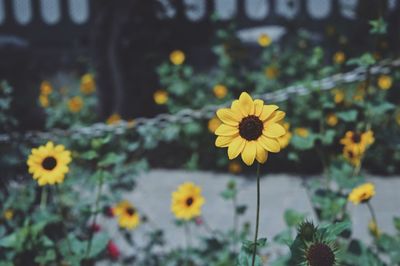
(113, 250)
(108, 211)
(95, 228)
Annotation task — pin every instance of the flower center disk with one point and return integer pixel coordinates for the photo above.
(49, 163)
(130, 211)
(189, 201)
(251, 127)
(320, 255)
(356, 138)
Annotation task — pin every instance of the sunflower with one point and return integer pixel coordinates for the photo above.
(160, 97)
(187, 201)
(46, 88)
(49, 163)
(250, 128)
(220, 91)
(271, 72)
(44, 100)
(351, 157)
(213, 124)
(332, 119)
(374, 229)
(358, 142)
(320, 253)
(8, 214)
(362, 193)
(88, 84)
(75, 104)
(302, 132)
(338, 96)
(128, 216)
(264, 40)
(385, 82)
(177, 57)
(339, 58)
(285, 139)
(234, 167)
(113, 119)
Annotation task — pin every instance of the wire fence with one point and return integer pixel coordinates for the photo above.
(189, 115)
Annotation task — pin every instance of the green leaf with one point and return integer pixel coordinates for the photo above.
(396, 222)
(241, 209)
(378, 26)
(293, 218)
(347, 116)
(99, 243)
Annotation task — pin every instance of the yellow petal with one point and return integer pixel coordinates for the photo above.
(261, 154)
(223, 141)
(271, 145)
(229, 117)
(225, 130)
(276, 117)
(236, 147)
(249, 152)
(246, 104)
(274, 130)
(267, 111)
(258, 107)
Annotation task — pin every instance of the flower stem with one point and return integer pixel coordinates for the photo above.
(58, 192)
(43, 198)
(373, 216)
(257, 216)
(188, 241)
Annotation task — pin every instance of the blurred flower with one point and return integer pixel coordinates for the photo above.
(306, 230)
(113, 119)
(108, 211)
(234, 167)
(44, 100)
(385, 82)
(301, 132)
(374, 229)
(320, 253)
(271, 72)
(131, 123)
(8, 214)
(88, 84)
(285, 139)
(338, 95)
(360, 92)
(220, 91)
(187, 201)
(127, 215)
(46, 88)
(250, 128)
(113, 250)
(213, 124)
(95, 228)
(332, 119)
(49, 163)
(358, 142)
(351, 157)
(198, 220)
(339, 57)
(160, 97)
(362, 193)
(177, 57)
(75, 104)
(264, 40)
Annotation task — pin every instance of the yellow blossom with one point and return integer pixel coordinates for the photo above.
(264, 40)
(220, 91)
(338, 96)
(385, 82)
(301, 132)
(44, 100)
(88, 84)
(271, 72)
(362, 194)
(8, 214)
(339, 57)
(285, 139)
(374, 229)
(113, 119)
(177, 57)
(160, 97)
(75, 104)
(332, 119)
(46, 88)
(234, 167)
(213, 124)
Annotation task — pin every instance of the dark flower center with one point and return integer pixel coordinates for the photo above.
(251, 127)
(320, 254)
(189, 201)
(351, 154)
(49, 163)
(130, 211)
(356, 137)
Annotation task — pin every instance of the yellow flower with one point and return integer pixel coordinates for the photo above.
(44, 100)
(46, 88)
(339, 57)
(49, 163)
(385, 82)
(338, 96)
(8, 214)
(358, 142)
(177, 57)
(301, 132)
(362, 194)
(187, 201)
(75, 104)
(360, 92)
(250, 128)
(220, 91)
(332, 119)
(88, 84)
(234, 167)
(264, 40)
(351, 156)
(127, 215)
(271, 72)
(213, 124)
(160, 97)
(285, 139)
(131, 123)
(374, 229)
(113, 119)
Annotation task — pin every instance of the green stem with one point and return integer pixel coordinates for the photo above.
(96, 210)
(187, 241)
(257, 216)
(373, 216)
(43, 198)
(59, 205)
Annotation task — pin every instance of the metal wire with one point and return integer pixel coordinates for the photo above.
(189, 115)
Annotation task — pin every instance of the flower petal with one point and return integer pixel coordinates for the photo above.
(236, 147)
(271, 145)
(274, 130)
(267, 111)
(276, 117)
(258, 107)
(261, 153)
(246, 104)
(223, 141)
(249, 152)
(225, 130)
(229, 117)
